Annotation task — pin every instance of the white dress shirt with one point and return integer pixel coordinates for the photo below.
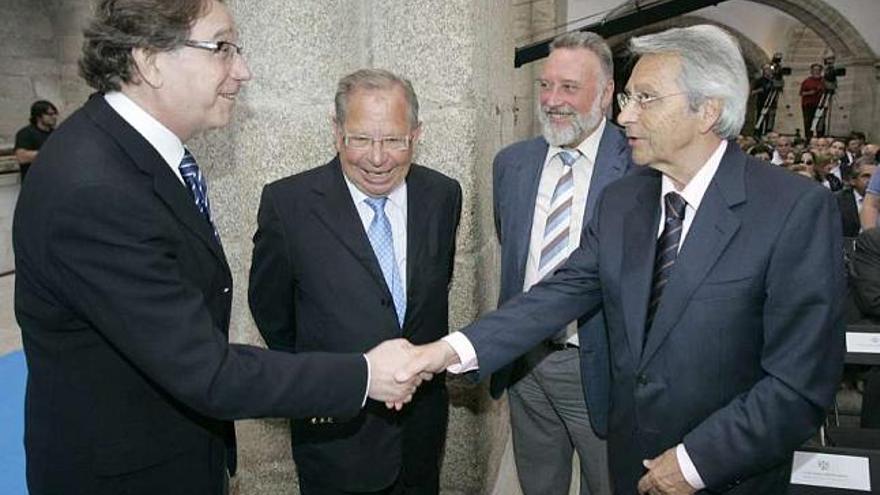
(582, 172)
(166, 143)
(693, 194)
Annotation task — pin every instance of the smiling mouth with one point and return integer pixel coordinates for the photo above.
(229, 96)
(378, 175)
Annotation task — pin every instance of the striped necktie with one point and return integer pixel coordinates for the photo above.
(198, 187)
(667, 251)
(558, 226)
(382, 241)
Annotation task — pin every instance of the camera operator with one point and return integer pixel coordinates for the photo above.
(811, 92)
(767, 88)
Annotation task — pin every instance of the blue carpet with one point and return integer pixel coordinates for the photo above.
(13, 374)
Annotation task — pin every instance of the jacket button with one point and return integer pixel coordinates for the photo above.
(226, 290)
(642, 379)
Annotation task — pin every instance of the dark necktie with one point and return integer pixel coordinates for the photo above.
(197, 185)
(833, 182)
(667, 251)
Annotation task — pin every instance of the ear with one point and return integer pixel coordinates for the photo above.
(607, 95)
(146, 67)
(337, 133)
(710, 112)
(417, 133)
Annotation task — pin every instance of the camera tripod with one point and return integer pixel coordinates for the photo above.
(768, 113)
(822, 118)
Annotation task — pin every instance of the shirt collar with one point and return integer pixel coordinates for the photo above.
(166, 143)
(589, 147)
(694, 191)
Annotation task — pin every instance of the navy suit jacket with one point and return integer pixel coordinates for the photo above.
(516, 176)
(746, 348)
(123, 296)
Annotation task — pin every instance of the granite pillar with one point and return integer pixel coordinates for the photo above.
(459, 56)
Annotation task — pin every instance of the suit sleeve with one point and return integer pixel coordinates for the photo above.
(527, 319)
(115, 253)
(801, 357)
(270, 293)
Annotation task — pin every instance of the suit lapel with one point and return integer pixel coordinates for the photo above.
(611, 164)
(639, 240)
(334, 208)
(165, 184)
(710, 233)
(528, 177)
(419, 198)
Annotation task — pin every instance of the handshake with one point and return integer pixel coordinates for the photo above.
(397, 368)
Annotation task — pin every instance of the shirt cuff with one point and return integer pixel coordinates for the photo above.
(467, 356)
(688, 470)
(367, 391)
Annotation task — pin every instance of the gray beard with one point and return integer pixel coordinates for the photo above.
(573, 133)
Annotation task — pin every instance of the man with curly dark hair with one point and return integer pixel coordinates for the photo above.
(123, 292)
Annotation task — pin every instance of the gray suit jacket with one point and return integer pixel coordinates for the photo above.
(516, 175)
(746, 348)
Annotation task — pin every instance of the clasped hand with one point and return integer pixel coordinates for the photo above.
(397, 368)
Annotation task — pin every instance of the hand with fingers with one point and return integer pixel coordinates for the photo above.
(664, 476)
(385, 360)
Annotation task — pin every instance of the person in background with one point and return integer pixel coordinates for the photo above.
(29, 139)
(811, 92)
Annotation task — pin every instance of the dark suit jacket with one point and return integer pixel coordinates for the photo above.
(746, 347)
(317, 286)
(849, 212)
(123, 297)
(516, 176)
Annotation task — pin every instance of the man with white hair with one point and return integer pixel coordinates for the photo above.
(719, 278)
(545, 190)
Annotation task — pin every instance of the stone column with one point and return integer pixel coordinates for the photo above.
(459, 55)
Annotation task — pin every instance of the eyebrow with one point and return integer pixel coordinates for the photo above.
(226, 32)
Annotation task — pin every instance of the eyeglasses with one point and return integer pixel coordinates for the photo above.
(640, 99)
(387, 143)
(225, 49)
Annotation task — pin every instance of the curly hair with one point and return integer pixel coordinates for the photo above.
(122, 25)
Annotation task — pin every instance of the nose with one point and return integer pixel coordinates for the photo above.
(377, 152)
(627, 115)
(240, 69)
(550, 96)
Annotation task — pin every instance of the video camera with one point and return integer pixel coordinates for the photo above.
(777, 71)
(831, 73)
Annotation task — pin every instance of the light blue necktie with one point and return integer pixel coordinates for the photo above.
(383, 245)
(197, 185)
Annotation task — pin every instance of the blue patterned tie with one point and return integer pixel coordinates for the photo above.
(383, 245)
(197, 185)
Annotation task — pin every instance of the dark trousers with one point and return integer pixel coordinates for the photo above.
(809, 113)
(871, 400)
